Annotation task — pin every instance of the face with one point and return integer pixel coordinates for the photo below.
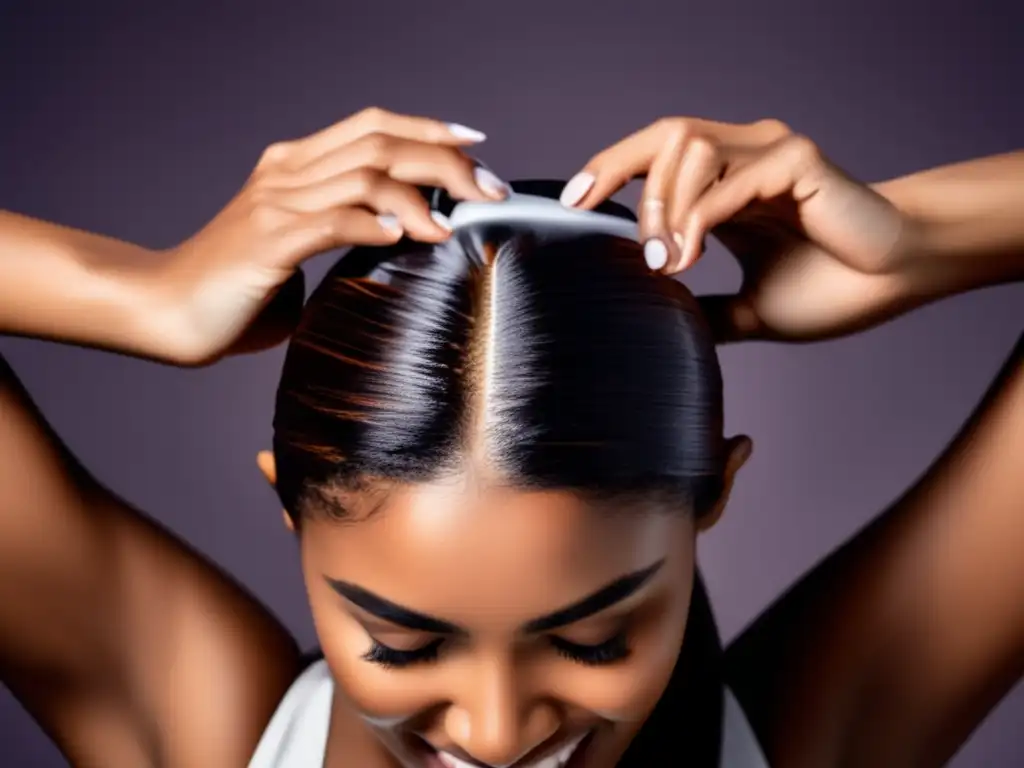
(500, 627)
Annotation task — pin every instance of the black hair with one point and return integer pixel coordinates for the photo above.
(559, 362)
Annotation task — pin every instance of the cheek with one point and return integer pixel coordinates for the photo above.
(628, 691)
(378, 694)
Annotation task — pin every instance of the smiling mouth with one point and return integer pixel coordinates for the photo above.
(557, 759)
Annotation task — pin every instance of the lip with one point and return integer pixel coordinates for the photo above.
(575, 747)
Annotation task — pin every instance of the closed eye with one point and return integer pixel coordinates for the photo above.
(386, 656)
(610, 651)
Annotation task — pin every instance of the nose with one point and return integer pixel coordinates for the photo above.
(498, 721)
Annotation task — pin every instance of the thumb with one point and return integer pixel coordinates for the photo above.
(277, 320)
(730, 317)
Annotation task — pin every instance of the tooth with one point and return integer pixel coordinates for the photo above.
(453, 762)
(548, 762)
(566, 752)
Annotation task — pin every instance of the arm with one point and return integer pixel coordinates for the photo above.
(894, 648)
(967, 222)
(77, 287)
(126, 646)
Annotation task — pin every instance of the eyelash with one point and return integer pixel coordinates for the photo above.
(391, 657)
(612, 650)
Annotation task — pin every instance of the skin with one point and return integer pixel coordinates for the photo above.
(130, 649)
(555, 552)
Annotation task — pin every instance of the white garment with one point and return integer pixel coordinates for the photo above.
(297, 734)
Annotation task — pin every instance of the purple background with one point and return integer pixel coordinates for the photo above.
(142, 123)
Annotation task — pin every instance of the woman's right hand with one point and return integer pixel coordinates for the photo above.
(235, 286)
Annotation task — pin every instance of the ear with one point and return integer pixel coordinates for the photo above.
(738, 451)
(265, 461)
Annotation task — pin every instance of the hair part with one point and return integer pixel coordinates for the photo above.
(536, 362)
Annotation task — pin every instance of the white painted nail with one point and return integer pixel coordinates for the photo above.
(466, 133)
(655, 253)
(576, 188)
(441, 220)
(389, 223)
(490, 183)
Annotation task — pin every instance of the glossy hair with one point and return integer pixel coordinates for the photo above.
(552, 362)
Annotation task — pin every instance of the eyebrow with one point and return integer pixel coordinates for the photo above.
(611, 594)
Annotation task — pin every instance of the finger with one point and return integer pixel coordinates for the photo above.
(377, 120)
(730, 317)
(654, 233)
(611, 169)
(415, 162)
(790, 166)
(700, 167)
(372, 189)
(335, 228)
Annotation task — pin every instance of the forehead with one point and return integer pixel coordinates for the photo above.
(456, 552)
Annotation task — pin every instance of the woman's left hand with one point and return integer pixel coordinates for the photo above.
(822, 254)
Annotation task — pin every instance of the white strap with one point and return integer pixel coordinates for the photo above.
(740, 748)
(297, 734)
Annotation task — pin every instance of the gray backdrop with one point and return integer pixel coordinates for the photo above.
(142, 124)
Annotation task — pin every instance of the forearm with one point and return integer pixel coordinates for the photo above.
(67, 285)
(967, 222)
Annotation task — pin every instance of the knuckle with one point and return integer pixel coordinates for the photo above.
(365, 182)
(702, 146)
(275, 154)
(373, 116)
(804, 149)
(676, 128)
(377, 146)
(773, 127)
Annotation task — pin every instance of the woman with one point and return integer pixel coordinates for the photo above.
(411, 417)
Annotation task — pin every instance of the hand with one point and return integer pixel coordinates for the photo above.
(235, 286)
(821, 254)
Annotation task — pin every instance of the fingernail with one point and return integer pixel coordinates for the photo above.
(490, 183)
(655, 253)
(466, 133)
(441, 220)
(389, 223)
(576, 188)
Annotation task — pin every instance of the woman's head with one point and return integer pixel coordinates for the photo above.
(497, 452)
